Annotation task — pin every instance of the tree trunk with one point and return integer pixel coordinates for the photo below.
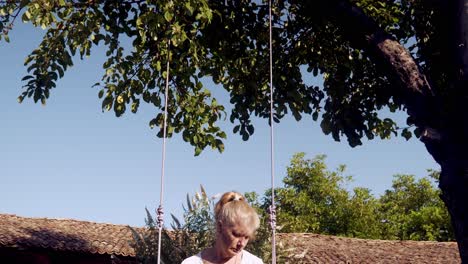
(454, 158)
(454, 186)
(444, 131)
(411, 85)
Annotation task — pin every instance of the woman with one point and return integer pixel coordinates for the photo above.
(236, 223)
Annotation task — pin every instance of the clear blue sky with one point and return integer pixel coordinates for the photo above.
(71, 160)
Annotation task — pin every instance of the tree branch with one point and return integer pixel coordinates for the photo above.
(460, 59)
(364, 33)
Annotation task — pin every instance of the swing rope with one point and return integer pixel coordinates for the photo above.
(272, 209)
(160, 210)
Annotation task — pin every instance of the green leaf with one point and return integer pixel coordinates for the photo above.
(27, 77)
(158, 66)
(417, 132)
(168, 16)
(251, 129)
(26, 16)
(176, 221)
(107, 103)
(315, 116)
(219, 145)
(326, 126)
(315, 71)
(189, 204)
(198, 150)
(37, 95)
(222, 134)
(406, 134)
(189, 7)
(153, 123)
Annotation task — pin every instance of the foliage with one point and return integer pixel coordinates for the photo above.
(315, 200)
(413, 210)
(228, 42)
(372, 55)
(145, 242)
(363, 216)
(312, 198)
(158, 31)
(262, 243)
(185, 239)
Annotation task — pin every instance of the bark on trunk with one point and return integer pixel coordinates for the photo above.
(454, 186)
(460, 47)
(412, 88)
(444, 132)
(454, 175)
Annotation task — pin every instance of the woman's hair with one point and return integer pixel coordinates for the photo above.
(233, 207)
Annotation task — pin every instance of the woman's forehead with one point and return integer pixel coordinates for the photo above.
(240, 227)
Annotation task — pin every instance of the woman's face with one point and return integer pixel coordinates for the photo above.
(233, 238)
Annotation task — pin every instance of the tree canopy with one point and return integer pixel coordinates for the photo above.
(397, 54)
(216, 40)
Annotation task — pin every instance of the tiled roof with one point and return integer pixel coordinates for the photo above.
(313, 248)
(64, 235)
(90, 237)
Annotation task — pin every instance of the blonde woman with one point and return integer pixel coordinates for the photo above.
(236, 223)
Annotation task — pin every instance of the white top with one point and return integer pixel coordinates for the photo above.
(247, 258)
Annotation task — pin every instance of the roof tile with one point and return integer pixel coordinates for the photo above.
(331, 249)
(82, 236)
(64, 235)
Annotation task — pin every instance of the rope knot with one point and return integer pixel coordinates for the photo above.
(272, 213)
(160, 218)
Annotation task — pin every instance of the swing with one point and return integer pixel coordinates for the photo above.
(271, 209)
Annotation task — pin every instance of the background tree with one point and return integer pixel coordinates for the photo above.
(363, 219)
(413, 210)
(400, 55)
(315, 200)
(261, 244)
